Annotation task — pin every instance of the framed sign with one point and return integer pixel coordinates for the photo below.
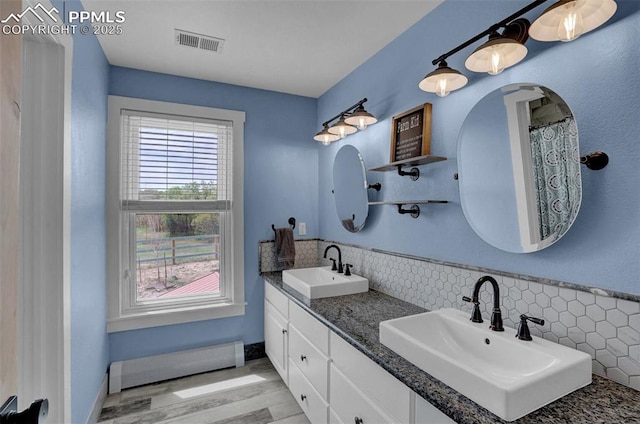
(411, 133)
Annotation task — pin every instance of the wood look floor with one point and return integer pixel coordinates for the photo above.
(253, 394)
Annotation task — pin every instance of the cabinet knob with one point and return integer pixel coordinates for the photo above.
(284, 331)
(302, 357)
(358, 420)
(303, 397)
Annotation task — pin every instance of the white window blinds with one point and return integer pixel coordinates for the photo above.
(173, 162)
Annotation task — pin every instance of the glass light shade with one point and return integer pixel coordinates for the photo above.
(443, 80)
(566, 20)
(325, 137)
(496, 55)
(342, 129)
(360, 118)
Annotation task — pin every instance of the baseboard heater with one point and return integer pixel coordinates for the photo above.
(151, 369)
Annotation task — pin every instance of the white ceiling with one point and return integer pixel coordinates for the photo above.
(300, 47)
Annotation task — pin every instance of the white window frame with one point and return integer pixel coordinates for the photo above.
(122, 315)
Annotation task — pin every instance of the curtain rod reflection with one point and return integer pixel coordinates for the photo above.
(546, 124)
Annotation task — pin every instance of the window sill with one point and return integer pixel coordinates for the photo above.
(175, 316)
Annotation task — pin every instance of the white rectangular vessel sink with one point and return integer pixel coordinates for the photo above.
(318, 282)
(507, 376)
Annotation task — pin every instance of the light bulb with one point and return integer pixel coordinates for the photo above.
(497, 65)
(441, 87)
(362, 125)
(342, 132)
(571, 24)
(326, 141)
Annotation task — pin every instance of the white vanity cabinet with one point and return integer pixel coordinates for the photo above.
(309, 363)
(361, 391)
(331, 380)
(276, 329)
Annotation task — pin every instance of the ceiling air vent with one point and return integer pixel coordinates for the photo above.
(198, 41)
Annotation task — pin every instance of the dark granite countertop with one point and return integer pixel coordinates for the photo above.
(356, 319)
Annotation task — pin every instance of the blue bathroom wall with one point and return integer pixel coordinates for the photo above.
(89, 341)
(595, 74)
(281, 172)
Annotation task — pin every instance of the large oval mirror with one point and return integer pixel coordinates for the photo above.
(519, 168)
(350, 188)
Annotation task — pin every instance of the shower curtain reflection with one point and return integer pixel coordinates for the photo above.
(556, 162)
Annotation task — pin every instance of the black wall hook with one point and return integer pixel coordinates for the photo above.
(595, 160)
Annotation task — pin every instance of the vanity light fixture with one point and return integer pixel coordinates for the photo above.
(443, 80)
(325, 137)
(360, 118)
(350, 120)
(341, 128)
(566, 20)
(501, 51)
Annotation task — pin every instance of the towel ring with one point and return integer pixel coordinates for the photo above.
(292, 224)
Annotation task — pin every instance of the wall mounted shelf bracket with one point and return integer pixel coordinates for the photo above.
(414, 173)
(414, 211)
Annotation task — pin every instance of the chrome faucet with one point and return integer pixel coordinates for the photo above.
(340, 269)
(496, 316)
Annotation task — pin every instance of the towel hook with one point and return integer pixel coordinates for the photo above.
(595, 160)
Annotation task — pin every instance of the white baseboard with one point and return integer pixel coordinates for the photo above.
(151, 369)
(97, 404)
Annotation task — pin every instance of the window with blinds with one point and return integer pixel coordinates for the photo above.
(176, 193)
(175, 213)
(172, 160)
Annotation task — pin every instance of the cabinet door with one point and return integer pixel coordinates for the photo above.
(350, 405)
(387, 392)
(427, 413)
(275, 339)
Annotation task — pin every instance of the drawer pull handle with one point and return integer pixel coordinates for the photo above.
(284, 331)
(302, 357)
(358, 420)
(303, 397)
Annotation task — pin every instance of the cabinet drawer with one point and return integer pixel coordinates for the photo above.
(277, 299)
(350, 405)
(388, 393)
(315, 331)
(313, 405)
(310, 361)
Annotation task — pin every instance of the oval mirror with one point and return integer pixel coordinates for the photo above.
(350, 188)
(519, 168)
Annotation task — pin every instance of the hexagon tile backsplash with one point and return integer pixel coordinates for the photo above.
(604, 325)
(306, 255)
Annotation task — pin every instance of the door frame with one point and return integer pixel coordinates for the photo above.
(44, 294)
